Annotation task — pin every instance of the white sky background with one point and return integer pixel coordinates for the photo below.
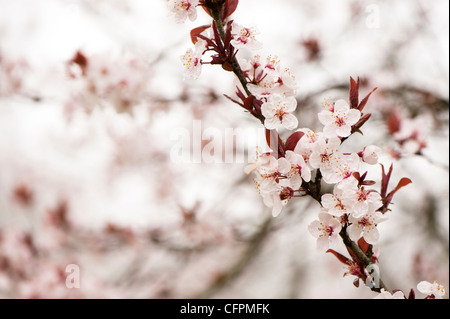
(75, 159)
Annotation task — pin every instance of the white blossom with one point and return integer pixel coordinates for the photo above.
(335, 204)
(244, 37)
(339, 121)
(326, 230)
(277, 112)
(387, 295)
(183, 9)
(299, 170)
(365, 226)
(434, 289)
(192, 64)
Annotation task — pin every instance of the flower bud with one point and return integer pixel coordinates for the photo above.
(370, 154)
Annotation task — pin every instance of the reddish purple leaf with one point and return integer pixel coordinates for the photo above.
(361, 122)
(248, 103)
(227, 66)
(229, 7)
(365, 100)
(240, 94)
(197, 31)
(340, 257)
(208, 11)
(354, 93)
(402, 183)
(292, 141)
(228, 35)
(234, 101)
(385, 180)
(363, 245)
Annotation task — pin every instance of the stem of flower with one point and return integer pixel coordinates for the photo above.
(313, 188)
(362, 257)
(216, 15)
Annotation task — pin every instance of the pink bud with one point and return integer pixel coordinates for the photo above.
(370, 154)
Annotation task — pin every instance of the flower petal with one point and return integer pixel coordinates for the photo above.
(289, 121)
(341, 106)
(353, 116)
(371, 235)
(272, 123)
(313, 228)
(325, 117)
(354, 231)
(344, 131)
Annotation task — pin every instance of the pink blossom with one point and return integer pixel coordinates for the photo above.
(278, 198)
(270, 170)
(370, 154)
(339, 121)
(365, 226)
(309, 139)
(325, 154)
(434, 290)
(387, 295)
(345, 166)
(335, 204)
(244, 37)
(326, 230)
(269, 78)
(277, 111)
(192, 64)
(184, 9)
(362, 201)
(299, 170)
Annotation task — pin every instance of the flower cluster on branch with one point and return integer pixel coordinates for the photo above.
(307, 159)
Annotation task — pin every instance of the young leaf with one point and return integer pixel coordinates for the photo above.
(365, 100)
(402, 183)
(385, 180)
(292, 141)
(197, 31)
(354, 93)
(248, 103)
(229, 7)
(340, 257)
(363, 245)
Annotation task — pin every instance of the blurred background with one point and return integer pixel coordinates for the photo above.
(91, 93)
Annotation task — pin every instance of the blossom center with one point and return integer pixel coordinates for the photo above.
(325, 157)
(362, 195)
(365, 222)
(287, 193)
(339, 205)
(280, 113)
(340, 121)
(329, 230)
(297, 168)
(186, 5)
(274, 175)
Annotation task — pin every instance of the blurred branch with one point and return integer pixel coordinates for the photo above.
(431, 224)
(239, 266)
